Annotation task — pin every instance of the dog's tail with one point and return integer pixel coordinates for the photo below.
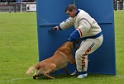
(30, 69)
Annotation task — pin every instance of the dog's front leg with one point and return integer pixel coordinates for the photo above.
(71, 59)
(66, 70)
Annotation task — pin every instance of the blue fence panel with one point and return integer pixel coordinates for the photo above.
(51, 13)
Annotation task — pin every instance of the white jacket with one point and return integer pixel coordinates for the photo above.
(83, 22)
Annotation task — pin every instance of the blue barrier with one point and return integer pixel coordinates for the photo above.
(51, 13)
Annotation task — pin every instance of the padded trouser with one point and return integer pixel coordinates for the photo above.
(87, 47)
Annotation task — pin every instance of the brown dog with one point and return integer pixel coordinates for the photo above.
(59, 60)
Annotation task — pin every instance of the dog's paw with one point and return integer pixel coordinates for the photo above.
(34, 77)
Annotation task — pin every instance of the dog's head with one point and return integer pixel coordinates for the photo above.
(73, 45)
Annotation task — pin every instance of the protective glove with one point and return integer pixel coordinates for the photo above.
(74, 36)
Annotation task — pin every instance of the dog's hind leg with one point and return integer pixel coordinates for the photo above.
(47, 75)
(50, 68)
(36, 74)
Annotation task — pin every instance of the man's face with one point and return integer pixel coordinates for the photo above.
(71, 13)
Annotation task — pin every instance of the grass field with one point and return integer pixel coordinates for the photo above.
(19, 50)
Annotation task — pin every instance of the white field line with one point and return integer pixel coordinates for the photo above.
(120, 76)
(14, 79)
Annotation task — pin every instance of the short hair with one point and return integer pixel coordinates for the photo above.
(70, 7)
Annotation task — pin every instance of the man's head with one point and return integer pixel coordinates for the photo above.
(71, 10)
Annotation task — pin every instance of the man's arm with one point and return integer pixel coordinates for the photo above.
(65, 24)
(82, 29)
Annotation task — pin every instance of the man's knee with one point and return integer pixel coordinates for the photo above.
(79, 54)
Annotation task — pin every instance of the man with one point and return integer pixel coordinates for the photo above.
(9, 2)
(87, 29)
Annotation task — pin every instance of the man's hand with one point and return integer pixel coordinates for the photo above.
(56, 28)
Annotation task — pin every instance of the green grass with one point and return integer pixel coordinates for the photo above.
(119, 28)
(19, 50)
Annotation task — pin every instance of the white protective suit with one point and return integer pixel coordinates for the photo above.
(88, 29)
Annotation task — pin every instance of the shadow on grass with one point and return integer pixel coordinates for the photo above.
(64, 76)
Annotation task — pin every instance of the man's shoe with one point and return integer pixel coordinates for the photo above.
(82, 75)
(74, 73)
